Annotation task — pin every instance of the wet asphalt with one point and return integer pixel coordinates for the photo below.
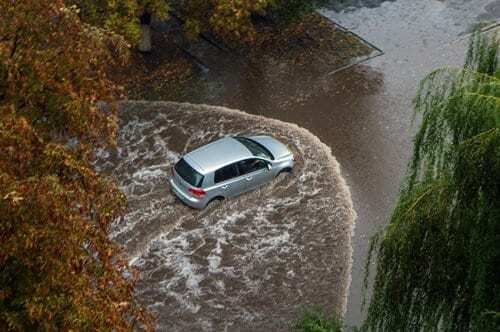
(371, 130)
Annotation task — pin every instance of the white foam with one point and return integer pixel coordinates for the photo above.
(245, 229)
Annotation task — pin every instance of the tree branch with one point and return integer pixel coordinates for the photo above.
(14, 47)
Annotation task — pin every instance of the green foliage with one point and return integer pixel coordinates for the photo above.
(313, 320)
(438, 261)
(120, 16)
(234, 20)
(290, 10)
(227, 18)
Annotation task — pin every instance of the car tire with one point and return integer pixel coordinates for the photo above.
(214, 203)
(284, 171)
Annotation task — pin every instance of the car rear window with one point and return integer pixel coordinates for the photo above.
(189, 174)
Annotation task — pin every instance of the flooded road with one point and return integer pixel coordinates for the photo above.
(249, 264)
(364, 113)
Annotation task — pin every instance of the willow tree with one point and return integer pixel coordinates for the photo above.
(438, 261)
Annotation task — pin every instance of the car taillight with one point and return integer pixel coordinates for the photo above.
(197, 192)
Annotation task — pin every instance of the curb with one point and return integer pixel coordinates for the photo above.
(378, 51)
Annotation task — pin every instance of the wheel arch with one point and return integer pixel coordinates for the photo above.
(216, 198)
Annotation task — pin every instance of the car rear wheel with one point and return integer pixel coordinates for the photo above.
(214, 202)
(284, 171)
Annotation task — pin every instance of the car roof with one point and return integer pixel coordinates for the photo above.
(217, 154)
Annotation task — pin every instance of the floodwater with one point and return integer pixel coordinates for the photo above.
(364, 114)
(249, 264)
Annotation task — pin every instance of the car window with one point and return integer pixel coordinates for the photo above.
(188, 173)
(255, 148)
(251, 165)
(225, 173)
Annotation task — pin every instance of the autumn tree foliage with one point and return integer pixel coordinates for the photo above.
(120, 16)
(235, 20)
(228, 19)
(58, 268)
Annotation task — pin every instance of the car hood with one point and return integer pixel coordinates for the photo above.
(278, 149)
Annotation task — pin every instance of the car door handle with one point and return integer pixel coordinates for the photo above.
(249, 178)
(225, 187)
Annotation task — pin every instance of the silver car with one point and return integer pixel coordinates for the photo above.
(228, 167)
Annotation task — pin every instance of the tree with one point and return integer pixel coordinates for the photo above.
(58, 268)
(233, 20)
(129, 18)
(226, 18)
(438, 261)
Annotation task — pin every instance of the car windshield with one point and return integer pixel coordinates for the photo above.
(188, 173)
(255, 148)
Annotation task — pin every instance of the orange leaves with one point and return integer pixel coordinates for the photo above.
(58, 269)
(13, 197)
(18, 143)
(57, 58)
(51, 234)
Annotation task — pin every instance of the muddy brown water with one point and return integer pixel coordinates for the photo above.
(363, 114)
(249, 264)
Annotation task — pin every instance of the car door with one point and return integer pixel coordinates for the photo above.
(228, 181)
(254, 171)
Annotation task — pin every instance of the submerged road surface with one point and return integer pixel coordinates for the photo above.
(249, 264)
(364, 113)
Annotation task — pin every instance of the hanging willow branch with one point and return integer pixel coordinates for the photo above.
(438, 261)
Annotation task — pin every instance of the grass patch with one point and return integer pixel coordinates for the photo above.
(314, 320)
